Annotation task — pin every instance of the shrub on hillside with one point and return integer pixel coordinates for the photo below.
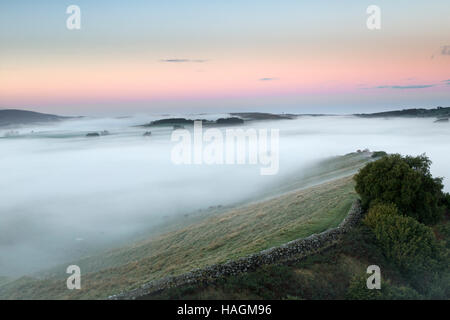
(411, 245)
(402, 293)
(446, 201)
(405, 182)
(357, 290)
(377, 210)
(378, 154)
(439, 286)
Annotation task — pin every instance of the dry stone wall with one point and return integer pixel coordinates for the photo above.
(288, 252)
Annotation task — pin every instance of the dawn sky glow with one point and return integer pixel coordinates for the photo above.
(280, 56)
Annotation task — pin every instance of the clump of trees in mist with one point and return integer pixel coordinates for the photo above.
(405, 182)
(404, 203)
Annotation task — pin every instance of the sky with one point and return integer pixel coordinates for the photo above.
(220, 56)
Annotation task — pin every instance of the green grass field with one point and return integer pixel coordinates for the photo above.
(327, 275)
(217, 237)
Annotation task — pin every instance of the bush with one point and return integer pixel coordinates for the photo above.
(439, 288)
(267, 282)
(446, 201)
(405, 182)
(402, 293)
(377, 210)
(411, 245)
(378, 154)
(357, 290)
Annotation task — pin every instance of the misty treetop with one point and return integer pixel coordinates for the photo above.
(405, 182)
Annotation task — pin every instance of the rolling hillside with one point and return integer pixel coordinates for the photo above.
(9, 117)
(218, 236)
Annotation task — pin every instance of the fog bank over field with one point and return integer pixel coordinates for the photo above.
(65, 195)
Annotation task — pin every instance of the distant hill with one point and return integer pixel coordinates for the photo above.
(262, 116)
(439, 112)
(16, 117)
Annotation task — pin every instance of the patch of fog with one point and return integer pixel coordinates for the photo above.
(65, 195)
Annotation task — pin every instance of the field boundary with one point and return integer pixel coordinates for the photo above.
(291, 251)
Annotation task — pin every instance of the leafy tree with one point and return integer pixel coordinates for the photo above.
(446, 201)
(378, 154)
(377, 210)
(357, 290)
(411, 245)
(405, 182)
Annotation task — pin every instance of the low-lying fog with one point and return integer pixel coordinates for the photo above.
(64, 194)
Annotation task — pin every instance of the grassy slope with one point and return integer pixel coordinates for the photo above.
(4, 280)
(230, 235)
(215, 239)
(326, 275)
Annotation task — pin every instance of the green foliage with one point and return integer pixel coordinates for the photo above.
(377, 210)
(378, 154)
(439, 286)
(405, 182)
(270, 282)
(357, 290)
(408, 243)
(413, 247)
(445, 201)
(443, 232)
(337, 273)
(267, 282)
(402, 293)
